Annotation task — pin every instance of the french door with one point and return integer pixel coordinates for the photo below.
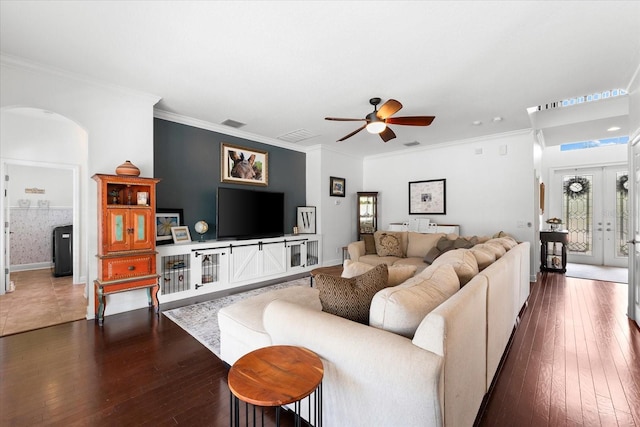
(593, 204)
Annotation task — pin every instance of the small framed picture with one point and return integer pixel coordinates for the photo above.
(306, 219)
(165, 219)
(180, 234)
(143, 198)
(337, 186)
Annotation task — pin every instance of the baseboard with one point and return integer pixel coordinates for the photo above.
(32, 266)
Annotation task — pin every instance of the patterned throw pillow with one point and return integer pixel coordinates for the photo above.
(388, 243)
(351, 298)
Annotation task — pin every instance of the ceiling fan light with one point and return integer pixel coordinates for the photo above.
(376, 126)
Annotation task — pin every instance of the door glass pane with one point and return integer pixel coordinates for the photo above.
(577, 207)
(622, 213)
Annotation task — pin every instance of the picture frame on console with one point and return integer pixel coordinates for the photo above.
(241, 165)
(306, 219)
(337, 186)
(428, 197)
(165, 219)
(180, 234)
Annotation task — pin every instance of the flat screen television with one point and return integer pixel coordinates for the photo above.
(249, 214)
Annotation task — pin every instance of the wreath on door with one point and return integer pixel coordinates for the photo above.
(622, 184)
(576, 187)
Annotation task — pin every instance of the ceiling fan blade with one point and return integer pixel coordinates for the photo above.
(387, 134)
(352, 133)
(411, 121)
(344, 120)
(389, 108)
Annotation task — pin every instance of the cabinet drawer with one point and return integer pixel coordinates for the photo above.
(127, 266)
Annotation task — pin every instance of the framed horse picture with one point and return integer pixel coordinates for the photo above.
(244, 165)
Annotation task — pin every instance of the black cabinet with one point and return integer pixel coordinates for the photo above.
(553, 250)
(63, 251)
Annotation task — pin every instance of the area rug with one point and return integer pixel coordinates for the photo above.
(598, 272)
(201, 320)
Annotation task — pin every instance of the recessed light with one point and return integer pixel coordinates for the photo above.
(613, 128)
(497, 119)
(477, 123)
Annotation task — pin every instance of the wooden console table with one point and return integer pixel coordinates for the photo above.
(275, 376)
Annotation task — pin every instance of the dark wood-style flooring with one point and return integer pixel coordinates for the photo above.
(574, 360)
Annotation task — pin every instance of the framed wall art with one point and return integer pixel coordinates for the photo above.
(165, 219)
(180, 234)
(306, 219)
(244, 165)
(428, 197)
(337, 186)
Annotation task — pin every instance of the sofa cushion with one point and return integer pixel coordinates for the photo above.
(388, 243)
(400, 309)
(351, 298)
(377, 260)
(484, 256)
(463, 262)
(496, 248)
(418, 244)
(397, 273)
(506, 242)
(416, 262)
(369, 244)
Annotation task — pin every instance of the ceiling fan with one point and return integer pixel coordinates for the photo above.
(377, 121)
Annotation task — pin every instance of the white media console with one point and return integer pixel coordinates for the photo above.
(195, 268)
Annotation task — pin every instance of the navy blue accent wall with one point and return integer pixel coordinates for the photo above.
(187, 159)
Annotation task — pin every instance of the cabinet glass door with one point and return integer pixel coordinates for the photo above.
(118, 229)
(141, 229)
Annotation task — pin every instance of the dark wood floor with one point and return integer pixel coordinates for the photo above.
(575, 360)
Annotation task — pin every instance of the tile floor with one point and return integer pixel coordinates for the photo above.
(40, 300)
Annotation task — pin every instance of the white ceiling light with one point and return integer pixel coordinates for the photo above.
(375, 125)
(477, 123)
(613, 128)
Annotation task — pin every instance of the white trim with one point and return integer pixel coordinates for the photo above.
(32, 266)
(23, 64)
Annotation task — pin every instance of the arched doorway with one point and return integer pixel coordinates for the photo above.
(38, 146)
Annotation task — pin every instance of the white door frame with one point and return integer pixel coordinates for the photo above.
(75, 169)
(633, 310)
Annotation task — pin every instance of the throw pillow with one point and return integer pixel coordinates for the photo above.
(397, 273)
(388, 243)
(484, 256)
(401, 309)
(351, 298)
(507, 242)
(369, 244)
(446, 244)
(463, 262)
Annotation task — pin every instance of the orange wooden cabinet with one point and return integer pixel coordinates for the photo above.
(126, 238)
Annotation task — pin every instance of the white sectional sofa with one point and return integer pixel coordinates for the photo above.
(436, 376)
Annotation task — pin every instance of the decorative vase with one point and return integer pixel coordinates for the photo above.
(128, 169)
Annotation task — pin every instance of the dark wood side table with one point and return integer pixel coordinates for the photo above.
(553, 250)
(275, 376)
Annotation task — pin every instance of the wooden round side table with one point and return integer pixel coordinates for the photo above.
(275, 376)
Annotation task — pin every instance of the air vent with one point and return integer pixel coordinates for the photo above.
(233, 123)
(296, 135)
(411, 144)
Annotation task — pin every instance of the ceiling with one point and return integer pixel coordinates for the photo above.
(281, 67)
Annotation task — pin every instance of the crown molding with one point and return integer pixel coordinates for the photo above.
(24, 64)
(226, 130)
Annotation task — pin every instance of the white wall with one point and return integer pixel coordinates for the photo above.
(119, 126)
(485, 193)
(336, 215)
(56, 183)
